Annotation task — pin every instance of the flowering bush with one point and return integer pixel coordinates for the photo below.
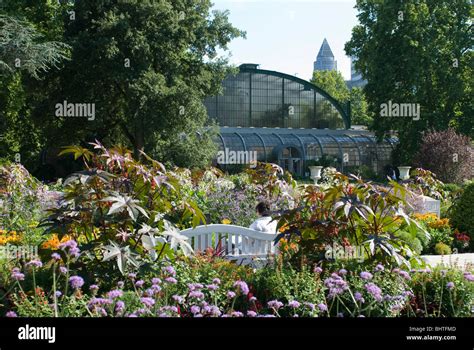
(22, 200)
(174, 291)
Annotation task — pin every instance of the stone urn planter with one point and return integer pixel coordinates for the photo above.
(404, 172)
(315, 172)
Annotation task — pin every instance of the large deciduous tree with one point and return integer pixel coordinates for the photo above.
(147, 66)
(416, 52)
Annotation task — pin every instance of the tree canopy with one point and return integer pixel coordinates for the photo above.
(416, 52)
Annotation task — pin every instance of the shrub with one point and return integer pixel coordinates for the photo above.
(122, 210)
(442, 249)
(462, 212)
(447, 154)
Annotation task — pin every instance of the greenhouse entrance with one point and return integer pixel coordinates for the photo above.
(290, 159)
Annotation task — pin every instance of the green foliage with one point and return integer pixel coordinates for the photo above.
(359, 108)
(350, 214)
(21, 48)
(287, 284)
(462, 213)
(416, 52)
(123, 210)
(433, 297)
(22, 200)
(442, 249)
(333, 83)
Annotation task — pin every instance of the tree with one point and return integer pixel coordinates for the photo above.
(416, 52)
(359, 108)
(24, 52)
(333, 83)
(146, 67)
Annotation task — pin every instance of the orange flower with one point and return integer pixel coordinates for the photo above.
(53, 243)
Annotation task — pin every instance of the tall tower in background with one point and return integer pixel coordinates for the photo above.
(325, 59)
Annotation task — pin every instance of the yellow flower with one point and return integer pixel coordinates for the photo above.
(226, 221)
(11, 237)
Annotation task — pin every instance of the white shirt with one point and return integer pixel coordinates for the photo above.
(265, 224)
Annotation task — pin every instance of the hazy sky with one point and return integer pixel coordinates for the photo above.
(285, 35)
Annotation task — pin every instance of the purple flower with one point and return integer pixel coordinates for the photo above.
(195, 286)
(196, 294)
(275, 304)
(322, 307)
(336, 285)
(311, 306)
(237, 314)
(119, 307)
(120, 284)
(404, 274)
(139, 283)
(72, 248)
(450, 285)
(294, 304)
(155, 288)
(251, 313)
(195, 309)
(148, 302)
(358, 297)
(11, 314)
(94, 302)
(71, 244)
(242, 286)
(178, 298)
(94, 288)
(115, 293)
(17, 275)
(56, 256)
(230, 294)
(379, 268)
(35, 263)
(63, 270)
(212, 287)
(216, 281)
(374, 290)
(253, 299)
(58, 294)
(343, 272)
(171, 280)
(469, 277)
(156, 280)
(132, 276)
(318, 270)
(366, 275)
(170, 270)
(76, 282)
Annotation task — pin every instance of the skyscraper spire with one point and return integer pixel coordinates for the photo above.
(325, 59)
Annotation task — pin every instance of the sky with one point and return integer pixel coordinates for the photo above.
(285, 35)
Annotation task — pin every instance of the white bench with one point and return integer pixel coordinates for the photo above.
(237, 243)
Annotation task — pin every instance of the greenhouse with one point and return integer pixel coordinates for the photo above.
(290, 121)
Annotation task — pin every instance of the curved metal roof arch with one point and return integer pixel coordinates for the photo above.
(252, 68)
